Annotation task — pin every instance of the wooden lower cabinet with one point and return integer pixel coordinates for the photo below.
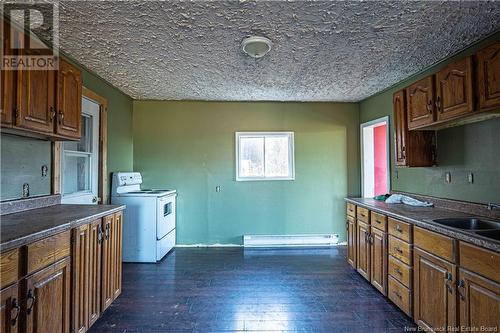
(434, 292)
(116, 234)
(47, 299)
(111, 282)
(479, 300)
(94, 278)
(378, 260)
(9, 309)
(351, 241)
(80, 278)
(108, 266)
(363, 250)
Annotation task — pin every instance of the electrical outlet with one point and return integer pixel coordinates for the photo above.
(217, 188)
(470, 177)
(26, 190)
(45, 170)
(447, 177)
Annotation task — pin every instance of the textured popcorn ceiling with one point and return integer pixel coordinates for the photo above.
(323, 50)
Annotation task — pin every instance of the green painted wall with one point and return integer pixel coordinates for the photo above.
(17, 169)
(460, 150)
(190, 146)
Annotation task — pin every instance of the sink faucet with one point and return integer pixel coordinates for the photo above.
(492, 206)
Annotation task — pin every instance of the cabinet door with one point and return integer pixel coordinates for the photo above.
(9, 309)
(351, 241)
(378, 260)
(80, 281)
(420, 103)
(36, 100)
(479, 301)
(454, 90)
(400, 127)
(108, 267)
(117, 254)
(8, 84)
(363, 250)
(488, 77)
(69, 100)
(47, 299)
(434, 292)
(95, 241)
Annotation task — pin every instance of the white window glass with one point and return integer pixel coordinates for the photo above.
(77, 161)
(264, 156)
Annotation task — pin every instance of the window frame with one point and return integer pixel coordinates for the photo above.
(291, 155)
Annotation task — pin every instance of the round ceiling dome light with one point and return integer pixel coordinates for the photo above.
(256, 46)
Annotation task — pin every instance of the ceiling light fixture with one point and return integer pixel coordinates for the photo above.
(256, 46)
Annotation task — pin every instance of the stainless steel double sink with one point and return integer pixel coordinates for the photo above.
(479, 226)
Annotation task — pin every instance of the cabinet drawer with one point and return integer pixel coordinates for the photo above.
(401, 230)
(400, 295)
(363, 214)
(351, 209)
(9, 267)
(379, 221)
(480, 261)
(400, 250)
(44, 252)
(400, 271)
(434, 243)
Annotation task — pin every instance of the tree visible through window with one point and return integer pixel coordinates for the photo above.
(264, 156)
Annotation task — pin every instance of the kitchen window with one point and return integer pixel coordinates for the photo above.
(265, 156)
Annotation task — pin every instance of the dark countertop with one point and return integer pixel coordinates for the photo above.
(423, 216)
(18, 229)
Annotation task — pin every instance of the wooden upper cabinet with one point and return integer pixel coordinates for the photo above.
(35, 108)
(479, 300)
(434, 292)
(488, 77)
(412, 148)
(47, 299)
(8, 84)
(9, 309)
(69, 100)
(454, 93)
(400, 126)
(420, 103)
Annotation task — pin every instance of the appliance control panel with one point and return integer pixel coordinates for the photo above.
(128, 178)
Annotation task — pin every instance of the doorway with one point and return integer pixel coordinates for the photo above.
(375, 172)
(80, 159)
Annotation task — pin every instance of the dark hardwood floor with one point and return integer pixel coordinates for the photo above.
(232, 289)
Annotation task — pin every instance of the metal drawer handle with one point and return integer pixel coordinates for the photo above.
(398, 228)
(429, 106)
(99, 234)
(398, 295)
(107, 231)
(15, 305)
(398, 250)
(33, 300)
(461, 289)
(398, 271)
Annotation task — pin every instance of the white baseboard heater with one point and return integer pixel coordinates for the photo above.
(290, 240)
